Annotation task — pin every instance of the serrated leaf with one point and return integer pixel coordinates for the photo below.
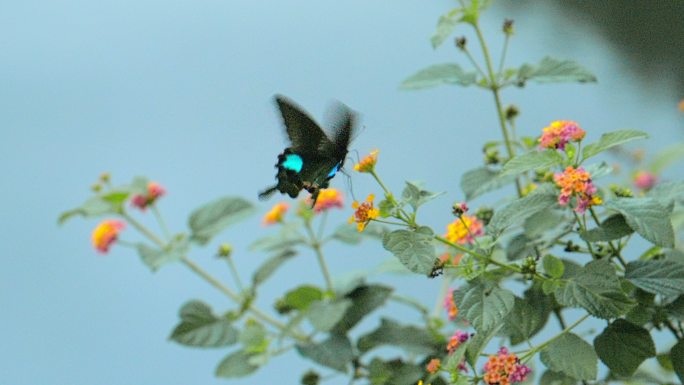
(445, 26)
(523, 321)
(623, 346)
(272, 264)
(668, 192)
(547, 225)
(599, 170)
(154, 257)
(324, 315)
(236, 364)
(551, 70)
(532, 161)
(596, 288)
(553, 266)
(365, 299)
(394, 372)
(478, 342)
(483, 304)
(677, 358)
(439, 74)
(335, 352)
(416, 196)
(210, 219)
(554, 378)
(520, 246)
(519, 210)
(482, 180)
(613, 227)
(571, 355)
(657, 276)
(199, 327)
(414, 248)
(676, 308)
(410, 338)
(611, 139)
(648, 217)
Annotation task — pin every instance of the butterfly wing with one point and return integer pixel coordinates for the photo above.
(307, 137)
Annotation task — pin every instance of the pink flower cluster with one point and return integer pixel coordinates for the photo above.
(559, 133)
(576, 182)
(154, 191)
(505, 368)
(456, 340)
(450, 305)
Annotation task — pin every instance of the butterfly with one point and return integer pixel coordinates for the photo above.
(314, 158)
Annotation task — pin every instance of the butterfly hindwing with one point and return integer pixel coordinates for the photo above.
(314, 158)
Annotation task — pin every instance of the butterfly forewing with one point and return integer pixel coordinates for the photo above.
(306, 136)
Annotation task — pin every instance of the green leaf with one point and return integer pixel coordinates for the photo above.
(657, 276)
(551, 70)
(571, 355)
(155, 258)
(299, 298)
(270, 266)
(324, 315)
(648, 217)
(532, 161)
(523, 321)
(394, 372)
(212, 218)
(521, 209)
(613, 227)
(365, 299)
(253, 337)
(199, 327)
(287, 237)
(553, 266)
(414, 194)
(335, 352)
(482, 180)
(623, 346)
(483, 304)
(478, 342)
(612, 139)
(554, 378)
(599, 170)
(94, 207)
(445, 26)
(439, 74)
(667, 156)
(597, 289)
(410, 338)
(676, 308)
(677, 358)
(415, 249)
(348, 233)
(236, 364)
(668, 192)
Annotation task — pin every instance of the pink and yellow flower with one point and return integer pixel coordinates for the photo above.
(434, 365)
(504, 368)
(367, 164)
(576, 182)
(106, 233)
(456, 340)
(464, 229)
(154, 192)
(327, 199)
(557, 134)
(450, 305)
(645, 180)
(276, 214)
(365, 212)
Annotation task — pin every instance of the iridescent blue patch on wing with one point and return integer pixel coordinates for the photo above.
(293, 162)
(334, 171)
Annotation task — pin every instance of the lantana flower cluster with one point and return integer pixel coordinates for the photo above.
(456, 340)
(576, 182)
(327, 199)
(559, 133)
(364, 213)
(504, 368)
(106, 233)
(154, 192)
(450, 305)
(367, 164)
(464, 229)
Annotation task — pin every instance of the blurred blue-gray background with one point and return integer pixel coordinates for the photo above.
(181, 92)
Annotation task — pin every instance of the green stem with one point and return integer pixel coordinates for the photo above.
(316, 246)
(474, 63)
(614, 249)
(539, 347)
(503, 56)
(479, 256)
(144, 230)
(584, 228)
(236, 298)
(161, 222)
(234, 273)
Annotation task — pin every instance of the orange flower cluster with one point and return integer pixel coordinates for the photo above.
(576, 182)
(559, 133)
(450, 305)
(276, 214)
(105, 234)
(433, 366)
(367, 164)
(327, 199)
(504, 369)
(463, 229)
(365, 212)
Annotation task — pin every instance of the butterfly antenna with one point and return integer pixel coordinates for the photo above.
(267, 193)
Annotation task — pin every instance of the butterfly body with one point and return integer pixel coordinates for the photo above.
(314, 158)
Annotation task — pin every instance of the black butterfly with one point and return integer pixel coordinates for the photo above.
(314, 158)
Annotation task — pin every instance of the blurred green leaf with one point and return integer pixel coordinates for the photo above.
(110, 202)
(299, 298)
(666, 156)
(478, 342)
(253, 337)
(287, 237)
(553, 266)
(410, 338)
(677, 358)
(668, 193)
(531, 161)
(416, 196)
(657, 276)
(551, 70)
(611, 139)
(523, 321)
(483, 180)
(154, 257)
(365, 299)
(236, 364)
(414, 248)
(272, 264)
(521, 209)
(483, 304)
(554, 378)
(199, 327)
(613, 227)
(394, 372)
(571, 355)
(676, 308)
(648, 217)
(325, 314)
(335, 352)
(210, 219)
(623, 346)
(445, 26)
(439, 74)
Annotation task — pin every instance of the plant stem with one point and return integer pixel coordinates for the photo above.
(234, 273)
(504, 51)
(144, 230)
(316, 246)
(541, 346)
(614, 249)
(161, 222)
(477, 255)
